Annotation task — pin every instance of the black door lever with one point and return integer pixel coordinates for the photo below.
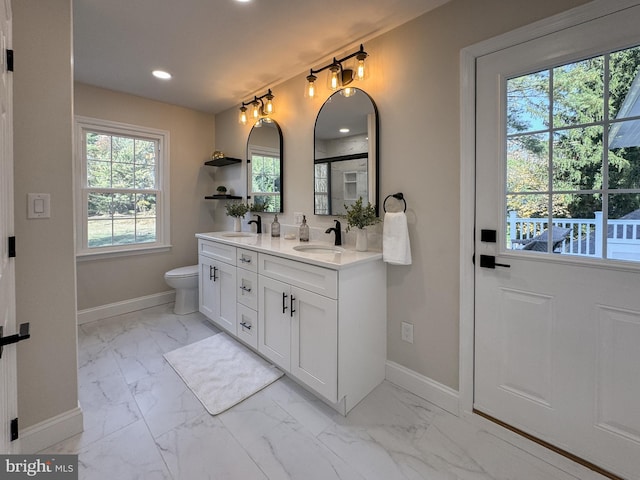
(489, 261)
(18, 337)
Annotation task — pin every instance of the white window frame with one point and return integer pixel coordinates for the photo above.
(162, 243)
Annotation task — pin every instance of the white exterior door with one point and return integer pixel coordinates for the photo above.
(557, 320)
(8, 377)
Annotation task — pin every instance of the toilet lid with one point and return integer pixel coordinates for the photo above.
(189, 271)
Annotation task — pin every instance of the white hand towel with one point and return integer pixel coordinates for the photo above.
(396, 249)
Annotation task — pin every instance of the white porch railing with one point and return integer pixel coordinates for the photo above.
(586, 236)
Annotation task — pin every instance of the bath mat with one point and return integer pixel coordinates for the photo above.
(221, 372)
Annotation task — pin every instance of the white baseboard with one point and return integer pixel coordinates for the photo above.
(42, 435)
(440, 395)
(126, 306)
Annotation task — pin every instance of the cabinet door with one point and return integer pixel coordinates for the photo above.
(274, 334)
(314, 342)
(207, 291)
(226, 296)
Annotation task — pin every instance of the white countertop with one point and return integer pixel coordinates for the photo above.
(282, 247)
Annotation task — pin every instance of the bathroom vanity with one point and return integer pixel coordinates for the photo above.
(316, 311)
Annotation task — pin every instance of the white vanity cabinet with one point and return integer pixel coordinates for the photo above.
(320, 318)
(217, 284)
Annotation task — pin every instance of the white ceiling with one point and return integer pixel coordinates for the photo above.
(221, 52)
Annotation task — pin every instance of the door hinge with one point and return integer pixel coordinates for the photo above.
(9, 60)
(14, 429)
(11, 250)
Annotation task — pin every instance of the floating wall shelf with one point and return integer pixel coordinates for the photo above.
(221, 162)
(223, 197)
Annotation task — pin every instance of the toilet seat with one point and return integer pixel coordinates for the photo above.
(181, 272)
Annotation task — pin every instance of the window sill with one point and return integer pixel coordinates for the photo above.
(88, 255)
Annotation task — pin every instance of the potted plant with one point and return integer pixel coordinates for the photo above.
(237, 210)
(360, 217)
(222, 190)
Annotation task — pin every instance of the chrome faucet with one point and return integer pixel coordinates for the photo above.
(337, 231)
(257, 222)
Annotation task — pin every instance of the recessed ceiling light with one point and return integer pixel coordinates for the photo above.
(161, 74)
(344, 130)
(243, 1)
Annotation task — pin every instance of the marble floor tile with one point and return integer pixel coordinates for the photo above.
(165, 401)
(129, 453)
(203, 449)
(142, 421)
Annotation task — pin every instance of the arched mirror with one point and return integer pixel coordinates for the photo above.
(346, 152)
(264, 166)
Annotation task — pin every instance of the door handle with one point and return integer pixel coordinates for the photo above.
(489, 261)
(18, 337)
(215, 270)
(284, 302)
(292, 311)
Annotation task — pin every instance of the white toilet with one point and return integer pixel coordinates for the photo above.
(185, 281)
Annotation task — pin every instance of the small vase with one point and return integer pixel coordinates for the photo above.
(361, 240)
(237, 226)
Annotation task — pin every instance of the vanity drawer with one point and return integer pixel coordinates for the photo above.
(247, 259)
(247, 293)
(310, 277)
(247, 326)
(217, 251)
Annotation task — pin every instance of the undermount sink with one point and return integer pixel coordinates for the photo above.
(239, 234)
(311, 248)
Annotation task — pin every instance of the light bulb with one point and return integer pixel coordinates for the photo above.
(334, 81)
(310, 89)
(268, 107)
(243, 115)
(360, 71)
(255, 110)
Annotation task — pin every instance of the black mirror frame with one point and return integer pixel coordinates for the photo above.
(281, 146)
(376, 196)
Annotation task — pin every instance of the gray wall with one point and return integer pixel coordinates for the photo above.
(45, 262)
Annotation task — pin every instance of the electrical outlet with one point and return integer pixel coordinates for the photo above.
(297, 218)
(407, 332)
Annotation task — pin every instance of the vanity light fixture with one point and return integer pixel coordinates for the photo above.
(339, 76)
(259, 109)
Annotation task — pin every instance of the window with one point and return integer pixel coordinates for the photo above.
(265, 175)
(123, 188)
(321, 188)
(573, 158)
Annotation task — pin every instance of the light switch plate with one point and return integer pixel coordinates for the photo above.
(38, 205)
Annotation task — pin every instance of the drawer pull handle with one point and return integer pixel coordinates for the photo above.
(284, 302)
(245, 289)
(245, 260)
(245, 325)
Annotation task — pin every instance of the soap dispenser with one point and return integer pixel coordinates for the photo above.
(304, 230)
(275, 227)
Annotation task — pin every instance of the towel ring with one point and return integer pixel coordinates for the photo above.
(398, 196)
